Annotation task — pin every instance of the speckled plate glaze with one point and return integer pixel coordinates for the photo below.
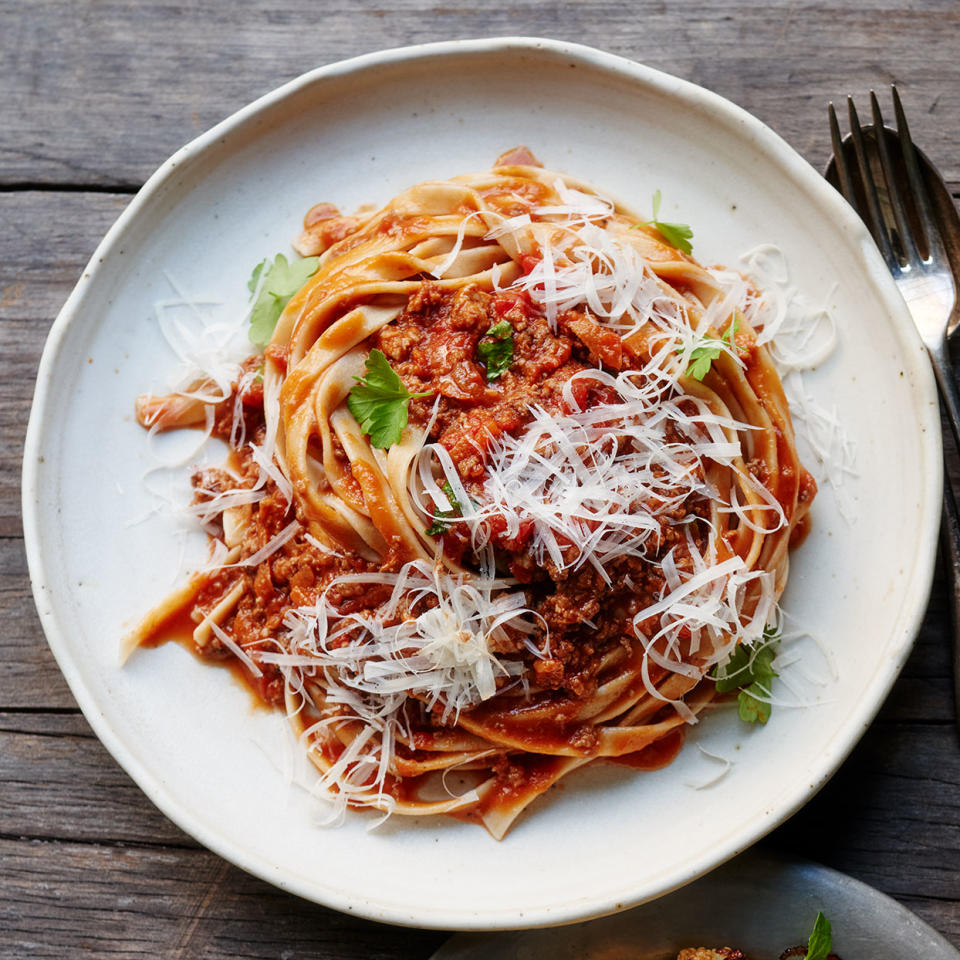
(358, 132)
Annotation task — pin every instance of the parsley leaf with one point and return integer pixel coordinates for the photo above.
(821, 939)
(700, 360)
(750, 670)
(703, 356)
(379, 402)
(439, 525)
(676, 234)
(254, 280)
(497, 354)
(274, 284)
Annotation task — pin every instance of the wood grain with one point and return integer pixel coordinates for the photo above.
(72, 790)
(154, 76)
(96, 94)
(69, 900)
(29, 678)
(46, 240)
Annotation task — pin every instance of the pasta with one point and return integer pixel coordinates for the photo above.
(513, 480)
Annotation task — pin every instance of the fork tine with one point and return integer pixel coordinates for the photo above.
(896, 200)
(876, 224)
(840, 159)
(931, 234)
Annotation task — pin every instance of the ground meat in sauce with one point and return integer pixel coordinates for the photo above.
(433, 347)
(709, 953)
(294, 576)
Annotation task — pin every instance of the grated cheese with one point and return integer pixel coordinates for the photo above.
(209, 346)
(799, 336)
(714, 778)
(431, 640)
(269, 548)
(597, 484)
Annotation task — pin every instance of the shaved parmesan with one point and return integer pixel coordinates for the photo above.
(800, 336)
(209, 345)
(715, 758)
(431, 640)
(600, 483)
(233, 647)
(269, 548)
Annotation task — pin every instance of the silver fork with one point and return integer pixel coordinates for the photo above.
(918, 260)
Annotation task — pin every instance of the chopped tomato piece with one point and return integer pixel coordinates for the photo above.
(528, 262)
(604, 345)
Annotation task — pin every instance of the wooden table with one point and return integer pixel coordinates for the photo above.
(96, 93)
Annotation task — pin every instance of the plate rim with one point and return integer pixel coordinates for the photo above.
(838, 748)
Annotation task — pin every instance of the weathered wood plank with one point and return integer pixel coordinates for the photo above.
(153, 79)
(82, 901)
(60, 783)
(29, 677)
(891, 817)
(45, 243)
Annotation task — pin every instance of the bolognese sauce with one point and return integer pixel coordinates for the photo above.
(437, 627)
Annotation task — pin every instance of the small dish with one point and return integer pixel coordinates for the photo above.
(759, 903)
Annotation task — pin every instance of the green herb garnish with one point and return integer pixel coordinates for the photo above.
(676, 234)
(273, 284)
(254, 280)
(439, 525)
(821, 939)
(703, 356)
(497, 354)
(750, 670)
(379, 402)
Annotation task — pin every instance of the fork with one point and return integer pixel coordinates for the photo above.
(917, 259)
(920, 266)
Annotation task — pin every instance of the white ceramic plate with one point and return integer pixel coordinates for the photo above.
(359, 132)
(759, 903)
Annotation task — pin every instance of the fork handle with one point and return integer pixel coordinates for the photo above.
(950, 542)
(950, 522)
(948, 389)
